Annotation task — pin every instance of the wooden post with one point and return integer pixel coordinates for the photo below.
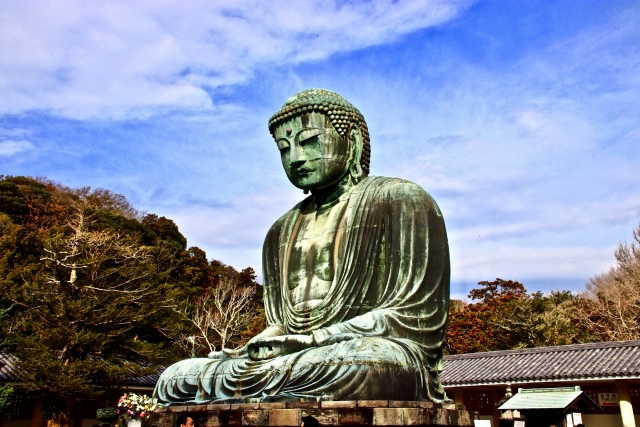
(36, 419)
(76, 412)
(624, 400)
(496, 395)
(458, 396)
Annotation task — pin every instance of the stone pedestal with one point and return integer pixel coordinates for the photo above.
(340, 413)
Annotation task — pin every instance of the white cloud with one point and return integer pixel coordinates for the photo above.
(13, 133)
(114, 59)
(534, 164)
(527, 263)
(523, 168)
(10, 147)
(533, 160)
(235, 233)
(235, 225)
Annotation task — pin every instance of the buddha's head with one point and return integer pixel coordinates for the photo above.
(321, 138)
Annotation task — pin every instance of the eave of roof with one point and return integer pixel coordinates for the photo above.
(550, 400)
(577, 362)
(564, 398)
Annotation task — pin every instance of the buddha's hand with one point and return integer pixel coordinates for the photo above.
(333, 339)
(226, 353)
(268, 348)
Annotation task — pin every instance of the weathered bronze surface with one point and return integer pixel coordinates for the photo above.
(356, 280)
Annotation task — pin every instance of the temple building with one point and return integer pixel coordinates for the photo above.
(24, 410)
(608, 373)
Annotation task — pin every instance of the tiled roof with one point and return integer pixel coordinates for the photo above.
(605, 360)
(146, 381)
(8, 374)
(6, 368)
(548, 398)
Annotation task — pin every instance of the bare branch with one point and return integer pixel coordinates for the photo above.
(221, 315)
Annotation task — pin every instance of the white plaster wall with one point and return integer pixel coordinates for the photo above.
(605, 420)
(484, 417)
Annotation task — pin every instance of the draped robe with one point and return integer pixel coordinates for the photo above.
(390, 286)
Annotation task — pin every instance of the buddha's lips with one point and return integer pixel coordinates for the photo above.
(303, 171)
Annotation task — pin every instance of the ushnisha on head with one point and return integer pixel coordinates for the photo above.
(321, 137)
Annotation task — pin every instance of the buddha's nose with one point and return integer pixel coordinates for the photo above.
(296, 155)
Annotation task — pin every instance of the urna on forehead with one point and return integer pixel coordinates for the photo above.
(340, 112)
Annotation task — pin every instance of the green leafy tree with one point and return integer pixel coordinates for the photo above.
(89, 286)
(81, 289)
(546, 320)
(6, 393)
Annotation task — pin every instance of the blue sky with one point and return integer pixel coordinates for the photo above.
(522, 119)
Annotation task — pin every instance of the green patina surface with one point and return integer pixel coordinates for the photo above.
(356, 279)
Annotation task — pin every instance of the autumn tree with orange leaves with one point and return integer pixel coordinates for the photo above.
(504, 316)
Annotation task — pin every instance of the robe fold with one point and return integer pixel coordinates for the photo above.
(391, 286)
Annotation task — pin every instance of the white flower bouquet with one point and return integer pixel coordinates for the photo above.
(133, 406)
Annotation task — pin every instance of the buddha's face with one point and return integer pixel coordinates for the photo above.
(313, 154)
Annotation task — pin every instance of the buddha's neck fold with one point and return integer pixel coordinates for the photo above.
(326, 196)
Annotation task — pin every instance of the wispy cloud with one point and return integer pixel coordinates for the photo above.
(527, 139)
(10, 147)
(522, 262)
(235, 233)
(128, 59)
(532, 163)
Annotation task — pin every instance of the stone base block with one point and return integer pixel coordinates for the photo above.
(343, 413)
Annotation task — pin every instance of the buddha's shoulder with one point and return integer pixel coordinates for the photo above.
(378, 191)
(382, 188)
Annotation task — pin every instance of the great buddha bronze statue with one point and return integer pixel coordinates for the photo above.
(356, 279)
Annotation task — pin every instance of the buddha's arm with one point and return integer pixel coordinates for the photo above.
(372, 324)
(270, 331)
(268, 348)
(264, 347)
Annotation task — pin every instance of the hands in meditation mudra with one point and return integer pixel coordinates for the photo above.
(356, 279)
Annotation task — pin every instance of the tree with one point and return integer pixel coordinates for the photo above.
(89, 286)
(611, 305)
(545, 320)
(76, 312)
(220, 314)
(226, 313)
(504, 316)
(473, 327)
(6, 393)
(85, 296)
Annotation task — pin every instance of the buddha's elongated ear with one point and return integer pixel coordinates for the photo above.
(355, 141)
